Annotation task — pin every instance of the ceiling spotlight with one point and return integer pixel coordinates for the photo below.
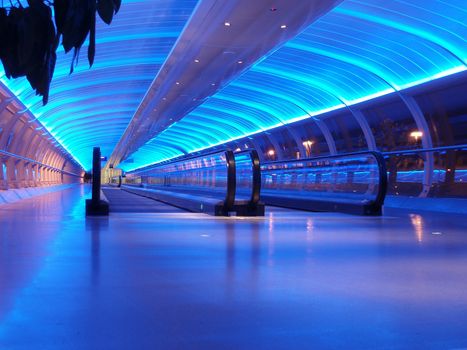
(196, 60)
(164, 98)
(177, 83)
(227, 24)
(283, 26)
(213, 84)
(239, 62)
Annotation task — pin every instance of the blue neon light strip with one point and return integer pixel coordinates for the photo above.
(357, 52)
(92, 107)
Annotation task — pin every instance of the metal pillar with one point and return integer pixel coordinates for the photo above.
(96, 176)
(96, 206)
(427, 142)
(361, 120)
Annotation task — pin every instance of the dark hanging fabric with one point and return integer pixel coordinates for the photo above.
(28, 39)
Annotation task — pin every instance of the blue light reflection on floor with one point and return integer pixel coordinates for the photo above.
(179, 281)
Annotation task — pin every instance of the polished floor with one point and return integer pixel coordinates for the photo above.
(290, 280)
(121, 201)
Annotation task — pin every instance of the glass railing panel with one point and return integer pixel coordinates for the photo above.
(356, 177)
(207, 175)
(244, 175)
(407, 174)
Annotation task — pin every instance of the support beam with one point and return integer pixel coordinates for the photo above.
(427, 142)
(369, 137)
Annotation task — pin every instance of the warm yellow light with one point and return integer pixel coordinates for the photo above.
(416, 134)
(271, 152)
(308, 143)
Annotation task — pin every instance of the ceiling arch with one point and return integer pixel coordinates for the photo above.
(360, 50)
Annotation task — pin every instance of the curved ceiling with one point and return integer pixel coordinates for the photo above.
(358, 51)
(92, 107)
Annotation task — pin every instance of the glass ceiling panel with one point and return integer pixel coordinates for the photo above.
(92, 107)
(358, 51)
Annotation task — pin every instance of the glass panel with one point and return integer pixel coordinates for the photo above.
(405, 174)
(286, 143)
(312, 139)
(132, 179)
(206, 175)
(347, 178)
(393, 126)
(347, 133)
(266, 147)
(446, 113)
(450, 178)
(244, 176)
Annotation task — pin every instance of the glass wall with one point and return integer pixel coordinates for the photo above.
(312, 138)
(286, 143)
(393, 126)
(347, 133)
(446, 113)
(396, 135)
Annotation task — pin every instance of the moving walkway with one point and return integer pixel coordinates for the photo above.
(227, 183)
(220, 183)
(353, 183)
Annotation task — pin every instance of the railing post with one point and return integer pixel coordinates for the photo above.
(231, 181)
(96, 176)
(96, 206)
(256, 177)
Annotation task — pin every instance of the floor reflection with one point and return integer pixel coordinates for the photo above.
(181, 281)
(238, 267)
(417, 223)
(96, 226)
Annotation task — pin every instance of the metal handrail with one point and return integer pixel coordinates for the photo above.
(229, 200)
(256, 191)
(231, 180)
(170, 161)
(29, 160)
(426, 150)
(256, 175)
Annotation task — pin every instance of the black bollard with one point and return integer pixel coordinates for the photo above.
(96, 176)
(96, 206)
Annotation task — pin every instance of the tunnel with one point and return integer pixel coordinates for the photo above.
(232, 174)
